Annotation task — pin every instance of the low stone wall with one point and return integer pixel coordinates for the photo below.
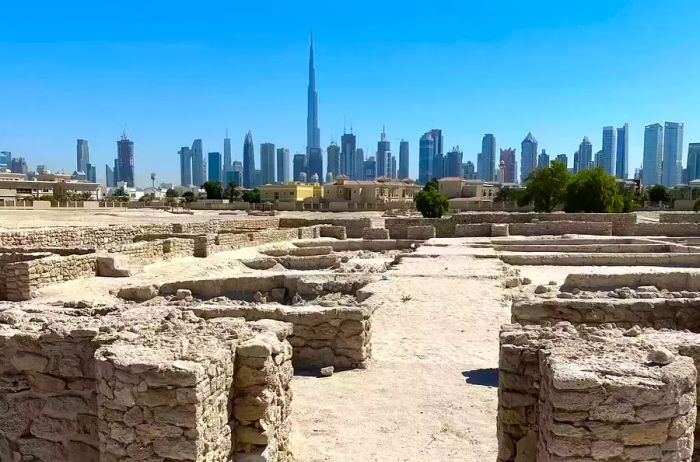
(575, 247)
(371, 245)
(559, 400)
(672, 281)
(674, 217)
(24, 277)
(667, 229)
(420, 233)
(375, 233)
(96, 237)
(239, 223)
(9, 258)
(336, 232)
(472, 230)
(561, 227)
(353, 226)
(595, 259)
(322, 336)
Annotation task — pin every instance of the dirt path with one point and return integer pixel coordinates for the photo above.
(414, 403)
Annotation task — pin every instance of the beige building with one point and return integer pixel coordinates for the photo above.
(15, 186)
(291, 192)
(382, 193)
(468, 194)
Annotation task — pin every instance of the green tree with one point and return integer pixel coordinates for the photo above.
(171, 193)
(120, 192)
(593, 191)
(188, 196)
(545, 187)
(506, 194)
(213, 189)
(232, 192)
(430, 202)
(659, 193)
(252, 196)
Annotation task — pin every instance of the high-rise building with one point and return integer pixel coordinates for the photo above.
(440, 166)
(609, 149)
(267, 163)
(299, 167)
(528, 156)
(598, 162)
(469, 171)
(383, 153)
(562, 159)
(314, 163)
(653, 154)
(258, 177)
(214, 166)
(83, 155)
(403, 160)
(486, 170)
(370, 167)
(235, 175)
(673, 154)
(333, 165)
(227, 156)
(585, 155)
(577, 162)
(313, 133)
(18, 165)
(359, 166)
(509, 166)
(693, 161)
(125, 160)
(283, 165)
(348, 144)
(429, 147)
(90, 173)
(543, 159)
(185, 154)
(622, 162)
(248, 161)
(116, 172)
(199, 166)
(109, 177)
(42, 169)
(5, 159)
(454, 162)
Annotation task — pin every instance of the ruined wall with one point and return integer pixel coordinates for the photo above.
(675, 217)
(561, 227)
(336, 232)
(24, 277)
(375, 233)
(420, 232)
(353, 226)
(671, 280)
(78, 236)
(667, 229)
(8, 258)
(472, 230)
(226, 225)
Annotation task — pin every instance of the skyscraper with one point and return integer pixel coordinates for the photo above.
(282, 165)
(227, 156)
(333, 165)
(486, 170)
(313, 133)
(577, 162)
(83, 155)
(299, 167)
(403, 160)
(360, 172)
(653, 153)
(693, 161)
(109, 177)
(622, 162)
(509, 164)
(454, 162)
(348, 144)
(18, 165)
(248, 161)
(543, 160)
(267, 163)
(673, 154)
(199, 167)
(383, 152)
(429, 147)
(125, 160)
(563, 159)
(5, 159)
(370, 167)
(315, 164)
(469, 171)
(185, 154)
(214, 166)
(585, 154)
(609, 150)
(91, 173)
(528, 156)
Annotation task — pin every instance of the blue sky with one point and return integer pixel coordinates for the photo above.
(175, 71)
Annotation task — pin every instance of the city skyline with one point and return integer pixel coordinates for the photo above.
(50, 110)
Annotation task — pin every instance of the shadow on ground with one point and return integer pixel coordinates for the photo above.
(483, 377)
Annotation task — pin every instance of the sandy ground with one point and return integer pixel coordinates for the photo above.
(415, 402)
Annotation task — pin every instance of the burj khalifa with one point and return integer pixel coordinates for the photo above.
(313, 133)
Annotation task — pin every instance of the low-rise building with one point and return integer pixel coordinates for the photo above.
(291, 192)
(14, 186)
(381, 193)
(469, 194)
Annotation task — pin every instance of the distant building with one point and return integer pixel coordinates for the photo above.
(226, 167)
(598, 162)
(214, 167)
(314, 163)
(199, 166)
(185, 154)
(486, 170)
(585, 155)
(381, 193)
(348, 144)
(543, 159)
(383, 153)
(370, 169)
(528, 156)
(109, 177)
(609, 150)
(429, 147)
(454, 162)
(5, 159)
(83, 155)
(359, 166)
(440, 166)
(313, 133)
(18, 165)
(577, 162)
(653, 154)
(403, 160)
(469, 171)
(299, 166)
(41, 169)
(267, 163)
(673, 154)
(563, 159)
(693, 161)
(125, 160)
(90, 173)
(290, 192)
(258, 178)
(622, 162)
(235, 175)
(14, 185)
(333, 164)
(302, 178)
(248, 161)
(507, 156)
(282, 165)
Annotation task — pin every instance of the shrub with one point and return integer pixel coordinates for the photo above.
(430, 202)
(593, 191)
(659, 193)
(545, 187)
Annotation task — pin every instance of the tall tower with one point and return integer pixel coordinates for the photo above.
(125, 160)
(83, 156)
(313, 133)
(248, 162)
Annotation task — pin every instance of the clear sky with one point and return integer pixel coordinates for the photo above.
(174, 71)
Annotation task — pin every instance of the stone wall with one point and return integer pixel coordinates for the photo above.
(96, 237)
(567, 394)
(353, 226)
(690, 260)
(674, 217)
(671, 280)
(24, 277)
(420, 233)
(226, 225)
(8, 258)
(561, 227)
(335, 232)
(472, 230)
(667, 229)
